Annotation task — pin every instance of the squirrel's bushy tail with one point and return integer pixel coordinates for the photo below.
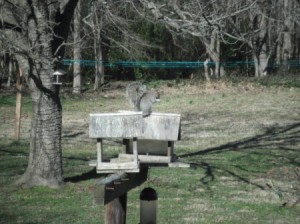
(134, 92)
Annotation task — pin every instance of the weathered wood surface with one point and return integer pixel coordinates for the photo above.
(112, 167)
(147, 158)
(161, 126)
(157, 126)
(153, 135)
(117, 184)
(115, 125)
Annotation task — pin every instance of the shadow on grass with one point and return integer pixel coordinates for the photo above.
(15, 148)
(92, 174)
(278, 142)
(275, 136)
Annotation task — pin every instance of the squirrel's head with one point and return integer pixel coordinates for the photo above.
(156, 95)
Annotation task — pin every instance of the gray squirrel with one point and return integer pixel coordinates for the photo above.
(140, 98)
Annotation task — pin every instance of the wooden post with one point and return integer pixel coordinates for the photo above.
(18, 104)
(118, 184)
(112, 192)
(126, 142)
(115, 211)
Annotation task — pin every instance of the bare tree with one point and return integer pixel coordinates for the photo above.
(288, 23)
(258, 39)
(96, 24)
(35, 31)
(272, 26)
(262, 25)
(205, 20)
(109, 24)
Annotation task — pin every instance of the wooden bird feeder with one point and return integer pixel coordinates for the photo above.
(147, 140)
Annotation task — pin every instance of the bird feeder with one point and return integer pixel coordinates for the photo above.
(148, 206)
(57, 77)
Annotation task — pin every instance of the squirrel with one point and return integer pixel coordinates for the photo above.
(140, 98)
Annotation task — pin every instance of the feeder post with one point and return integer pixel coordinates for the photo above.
(115, 211)
(18, 104)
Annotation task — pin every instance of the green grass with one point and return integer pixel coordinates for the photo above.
(241, 139)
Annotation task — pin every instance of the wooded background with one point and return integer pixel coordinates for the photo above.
(244, 38)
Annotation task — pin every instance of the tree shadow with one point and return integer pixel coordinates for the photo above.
(280, 139)
(72, 134)
(267, 139)
(14, 148)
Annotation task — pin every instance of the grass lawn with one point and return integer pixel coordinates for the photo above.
(242, 140)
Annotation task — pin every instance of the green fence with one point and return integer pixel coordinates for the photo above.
(175, 64)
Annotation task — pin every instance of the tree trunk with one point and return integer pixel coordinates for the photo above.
(99, 67)
(259, 45)
(45, 158)
(260, 64)
(36, 45)
(10, 72)
(77, 86)
(263, 61)
(206, 69)
(287, 37)
(2, 72)
(213, 48)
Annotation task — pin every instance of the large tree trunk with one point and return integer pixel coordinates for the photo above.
(77, 50)
(45, 158)
(45, 161)
(38, 42)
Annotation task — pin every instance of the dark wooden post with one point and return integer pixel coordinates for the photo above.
(99, 152)
(170, 150)
(115, 211)
(111, 191)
